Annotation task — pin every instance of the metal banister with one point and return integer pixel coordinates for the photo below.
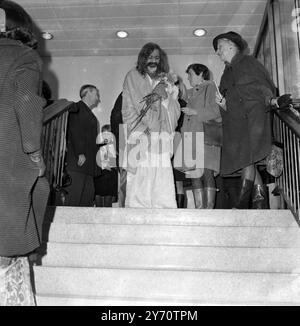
(286, 130)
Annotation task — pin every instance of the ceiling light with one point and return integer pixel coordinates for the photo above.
(122, 34)
(199, 32)
(47, 36)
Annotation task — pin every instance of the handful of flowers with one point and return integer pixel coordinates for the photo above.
(159, 93)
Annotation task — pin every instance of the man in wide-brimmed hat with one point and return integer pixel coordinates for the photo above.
(248, 92)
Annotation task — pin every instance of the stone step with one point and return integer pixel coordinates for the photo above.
(48, 300)
(269, 288)
(221, 259)
(97, 215)
(174, 235)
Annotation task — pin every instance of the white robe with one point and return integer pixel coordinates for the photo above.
(147, 159)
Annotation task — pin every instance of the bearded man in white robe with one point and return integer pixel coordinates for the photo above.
(150, 111)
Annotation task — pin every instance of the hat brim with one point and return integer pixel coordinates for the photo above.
(236, 39)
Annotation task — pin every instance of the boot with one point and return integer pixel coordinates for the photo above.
(108, 201)
(180, 199)
(99, 201)
(259, 197)
(244, 194)
(199, 198)
(210, 197)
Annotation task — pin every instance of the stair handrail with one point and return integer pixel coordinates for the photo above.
(55, 122)
(286, 130)
(291, 116)
(55, 109)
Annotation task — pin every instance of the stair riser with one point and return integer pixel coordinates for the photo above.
(166, 257)
(207, 287)
(87, 301)
(97, 215)
(175, 235)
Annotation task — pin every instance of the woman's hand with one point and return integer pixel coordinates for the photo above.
(189, 111)
(221, 101)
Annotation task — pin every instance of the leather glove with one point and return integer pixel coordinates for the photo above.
(283, 101)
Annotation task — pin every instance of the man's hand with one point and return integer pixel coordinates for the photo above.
(81, 160)
(160, 90)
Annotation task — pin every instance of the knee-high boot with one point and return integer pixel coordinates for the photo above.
(199, 198)
(210, 197)
(244, 194)
(259, 197)
(180, 199)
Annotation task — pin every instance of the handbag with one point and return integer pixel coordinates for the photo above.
(212, 132)
(274, 161)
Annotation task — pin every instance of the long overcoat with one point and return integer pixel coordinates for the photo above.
(23, 195)
(248, 89)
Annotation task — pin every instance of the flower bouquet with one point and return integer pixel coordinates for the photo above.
(159, 93)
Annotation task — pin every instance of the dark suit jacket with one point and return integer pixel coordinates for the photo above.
(23, 196)
(81, 139)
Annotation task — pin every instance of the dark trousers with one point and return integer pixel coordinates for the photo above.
(81, 192)
(122, 188)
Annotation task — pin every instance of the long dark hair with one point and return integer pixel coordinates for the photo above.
(18, 25)
(147, 49)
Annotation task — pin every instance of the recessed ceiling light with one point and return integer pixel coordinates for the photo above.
(47, 36)
(122, 34)
(199, 32)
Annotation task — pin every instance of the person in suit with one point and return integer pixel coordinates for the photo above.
(24, 190)
(82, 148)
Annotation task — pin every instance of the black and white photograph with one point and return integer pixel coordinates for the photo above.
(149, 155)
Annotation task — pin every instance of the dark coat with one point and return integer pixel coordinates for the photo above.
(246, 123)
(81, 139)
(23, 196)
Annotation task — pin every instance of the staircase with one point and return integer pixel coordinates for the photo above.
(117, 256)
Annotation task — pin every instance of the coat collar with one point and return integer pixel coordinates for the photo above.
(236, 59)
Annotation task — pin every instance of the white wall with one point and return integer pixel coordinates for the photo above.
(66, 75)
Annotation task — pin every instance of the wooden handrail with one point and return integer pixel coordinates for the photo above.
(55, 122)
(290, 119)
(56, 108)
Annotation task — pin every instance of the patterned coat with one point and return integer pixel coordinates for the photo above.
(23, 195)
(246, 123)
